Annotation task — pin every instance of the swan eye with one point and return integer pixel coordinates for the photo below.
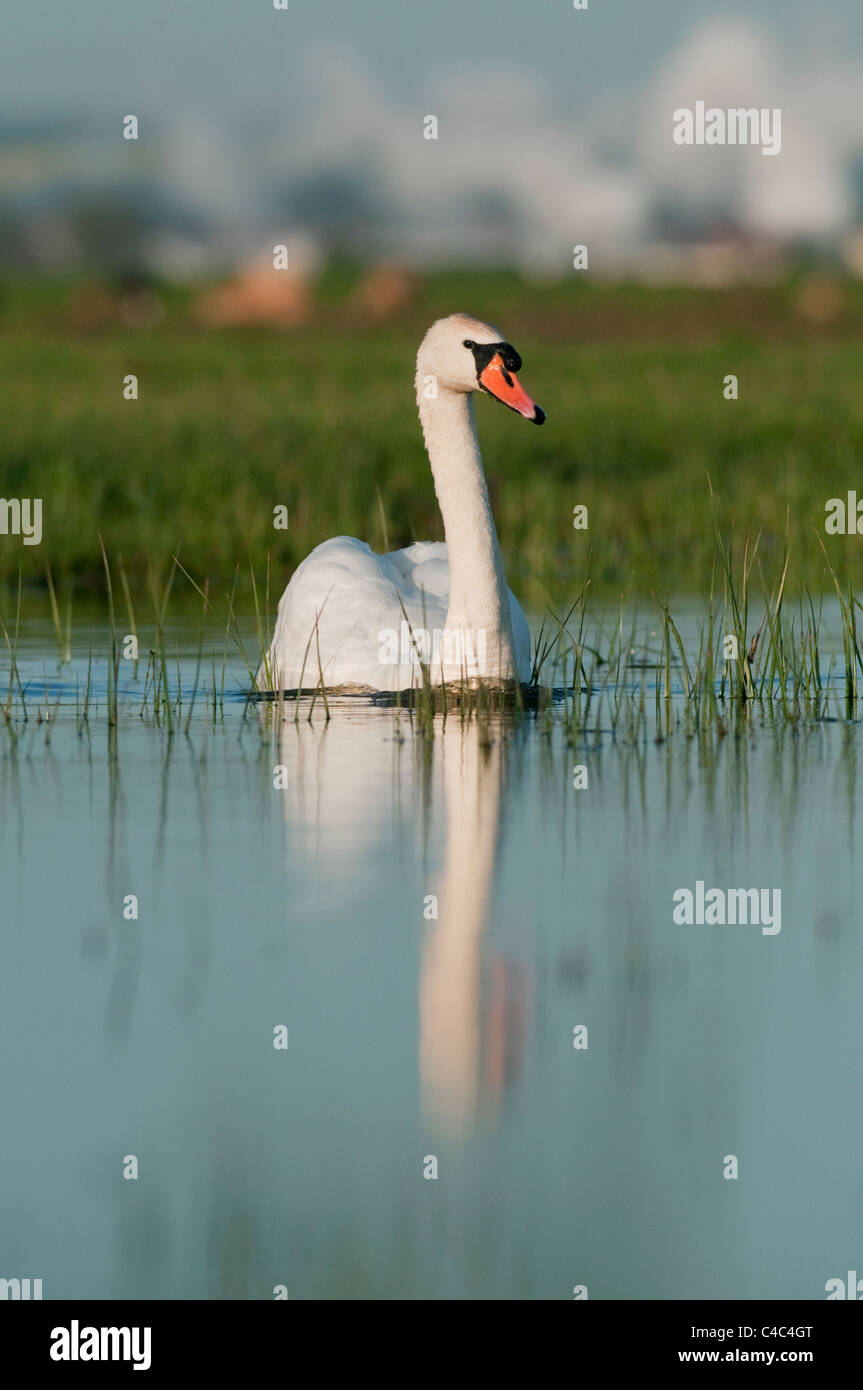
(468, 343)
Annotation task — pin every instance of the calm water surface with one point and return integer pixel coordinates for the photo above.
(410, 1035)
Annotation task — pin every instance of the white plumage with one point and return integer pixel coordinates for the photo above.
(365, 621)
(357, 598)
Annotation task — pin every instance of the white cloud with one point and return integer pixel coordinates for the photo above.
(503, 145)
(512, 179)
(803, 191)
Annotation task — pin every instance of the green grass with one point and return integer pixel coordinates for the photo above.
(594, 667)
(323, 420)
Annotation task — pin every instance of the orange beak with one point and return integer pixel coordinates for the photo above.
(505, 386)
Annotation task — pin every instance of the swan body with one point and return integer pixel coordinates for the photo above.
(356, 620)
(376, 606)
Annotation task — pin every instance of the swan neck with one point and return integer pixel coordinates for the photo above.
(478, 595)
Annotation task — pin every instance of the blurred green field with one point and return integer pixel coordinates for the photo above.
(322, 419)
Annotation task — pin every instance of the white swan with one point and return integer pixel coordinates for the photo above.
(365, 621)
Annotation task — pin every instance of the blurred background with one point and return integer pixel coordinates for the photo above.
(554, 126)
(305, 127)
(260, 388)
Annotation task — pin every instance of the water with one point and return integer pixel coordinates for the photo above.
(411, 1036)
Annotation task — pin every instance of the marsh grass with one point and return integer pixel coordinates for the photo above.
(599, 677)
(62, 633)
(325, 419)
(15, 685)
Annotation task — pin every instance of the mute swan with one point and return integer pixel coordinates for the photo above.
(365, 620)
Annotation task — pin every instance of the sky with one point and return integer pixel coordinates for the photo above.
(555, 124)
(240, 56)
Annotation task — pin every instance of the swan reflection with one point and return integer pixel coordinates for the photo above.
(472, 1009)
(355, 785)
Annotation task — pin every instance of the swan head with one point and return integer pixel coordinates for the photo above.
(464, 354)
